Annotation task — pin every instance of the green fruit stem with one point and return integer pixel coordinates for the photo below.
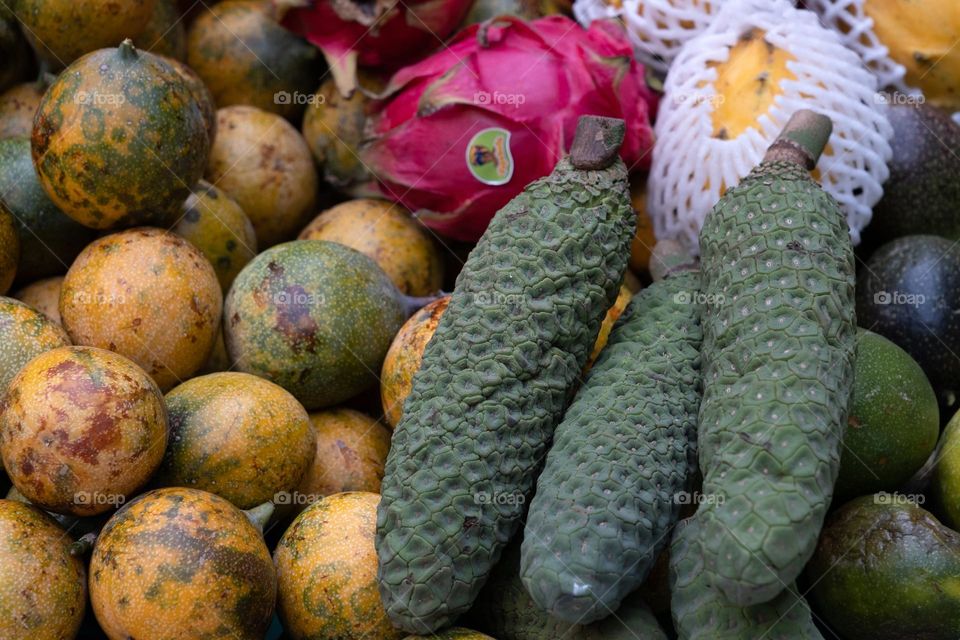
(596, 145)
(259, 516)
(802, 140)
(83, 545)
(127, 50)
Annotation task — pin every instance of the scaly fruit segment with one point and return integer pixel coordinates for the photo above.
(496, 379)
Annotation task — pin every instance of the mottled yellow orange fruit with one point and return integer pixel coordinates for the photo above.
(18, 106)
(327, 572)
(456, 633)
(352, 448)
(238, 436)
(216, 225)
(404, 357)
(43, 589)
(387, 233)
(644, 238)
(208, 108)
(164, 34)
(182, 564)
(24, 334)
(613, 314)
(81, 430)
(9, 250)
(44, 296)
(264, 164)
(147, 294)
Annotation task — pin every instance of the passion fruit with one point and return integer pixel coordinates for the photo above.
(18, 106)
(24, 334)
(44, 296)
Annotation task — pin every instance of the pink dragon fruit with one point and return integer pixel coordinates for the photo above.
(377, 33)
(462, 132)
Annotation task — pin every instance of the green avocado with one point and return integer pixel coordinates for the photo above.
(909, 292)
(496, 378)
(886, 569)
(893, 424)
(922, 194)
(946, 474)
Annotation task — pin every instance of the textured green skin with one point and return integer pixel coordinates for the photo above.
(314, 317)
(494, 382)
(887, 570)
(505, 610)
(778, 352)
(49, 239)
(607, 497)
(119, 140)
(700, 612)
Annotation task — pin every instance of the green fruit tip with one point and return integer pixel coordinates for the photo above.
(260, 515)
(669, 257)
(82, 545)
(802, 140)
(596, 145)
(127, 50)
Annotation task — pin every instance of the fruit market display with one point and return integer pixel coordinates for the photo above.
(479, 320)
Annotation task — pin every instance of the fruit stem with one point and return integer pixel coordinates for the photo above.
(260, 515)
(669, 257)
(127, 50)
(802, 140)
(596, 145)
(83, 545)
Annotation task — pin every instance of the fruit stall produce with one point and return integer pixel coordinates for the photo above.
(479, 320)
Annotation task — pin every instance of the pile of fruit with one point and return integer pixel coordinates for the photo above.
(466, 319)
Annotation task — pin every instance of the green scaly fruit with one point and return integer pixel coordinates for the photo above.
(778, 356)
(700, 612)
(608, 495)
(496, 378)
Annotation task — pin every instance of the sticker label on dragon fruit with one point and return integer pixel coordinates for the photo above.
(489, 158)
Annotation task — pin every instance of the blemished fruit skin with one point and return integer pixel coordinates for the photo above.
(43, 589)
(352, 448)
(778, 353)
(610, 491)
(246, 57)
(164, 34)
(24, 334)
(456, 633)
(946, 476)
(404, 357)
(238, 436)
(908, 292)
(494, 382)
(886, 568)
(264, 164)
(700, 611)
(119, 140)
(505, 610)
(9, 250)
(894, 420)
(42, 295)
(208, 108)
(49, 239)
(216, 225)
(63, 30)
(182, 564)
(18, 106)
(923, 189)
(147, 294)
(81, 429)
(315, 317)
(388, 234)
(327, 572)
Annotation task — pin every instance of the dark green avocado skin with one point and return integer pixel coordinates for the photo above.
(886, 569)
(909, 292)
(922, 194)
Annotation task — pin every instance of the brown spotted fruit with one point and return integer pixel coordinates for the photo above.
(215, 224)
(182, 564)
(246, 57)
(24, 334)
(9, 250)
(200, 91)
(81, 429)
(387, 233)
(63, 30)
(352, 448)
(43, 295)
(264, 164)
(18, 106)
(147, 294)
(43, 589)
(238, 436)
(315, 317)
(119, 139)
(404, 356)
(327, 572)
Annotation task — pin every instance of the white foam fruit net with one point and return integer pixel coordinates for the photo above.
(657, 28)
(691, 167)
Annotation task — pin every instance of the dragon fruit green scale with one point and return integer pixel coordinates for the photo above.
(496, 378)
